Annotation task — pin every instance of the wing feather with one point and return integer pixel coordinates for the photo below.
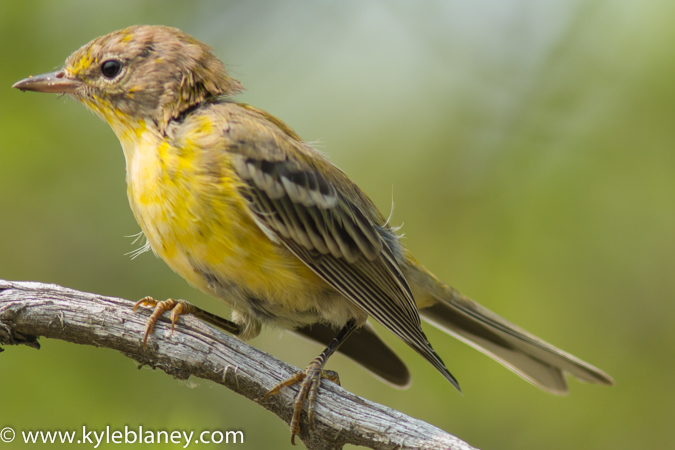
(335, 229)
(334, 232)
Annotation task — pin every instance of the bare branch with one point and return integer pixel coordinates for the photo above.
(29, 310)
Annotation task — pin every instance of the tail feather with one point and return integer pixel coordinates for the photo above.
(536, 361)
(533, 359)
(366, 348)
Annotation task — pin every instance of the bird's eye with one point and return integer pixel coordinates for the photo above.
(111, 68)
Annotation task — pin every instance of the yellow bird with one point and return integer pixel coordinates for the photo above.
(238, 205)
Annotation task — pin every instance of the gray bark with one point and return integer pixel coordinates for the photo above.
(29, 310)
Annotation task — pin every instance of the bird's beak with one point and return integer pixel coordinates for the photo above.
(52, 83)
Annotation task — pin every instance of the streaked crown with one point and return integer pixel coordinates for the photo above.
(146, 71)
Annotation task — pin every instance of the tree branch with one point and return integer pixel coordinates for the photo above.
(29, 310)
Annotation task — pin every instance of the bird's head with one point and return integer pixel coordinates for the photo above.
(140, 73)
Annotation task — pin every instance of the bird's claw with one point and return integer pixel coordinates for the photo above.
(310, 381)
(177, 307)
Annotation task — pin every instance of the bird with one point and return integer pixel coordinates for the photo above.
(235, 202)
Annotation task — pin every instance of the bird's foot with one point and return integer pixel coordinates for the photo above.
(310, 380)
(177, 307)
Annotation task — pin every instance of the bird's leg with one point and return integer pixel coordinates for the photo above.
(178, 307)
(310, 380)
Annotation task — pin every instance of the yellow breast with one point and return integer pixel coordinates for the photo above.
(186, 197)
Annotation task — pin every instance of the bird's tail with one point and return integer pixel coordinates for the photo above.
(533, 359)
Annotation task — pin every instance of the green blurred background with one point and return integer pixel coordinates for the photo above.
(529, 147)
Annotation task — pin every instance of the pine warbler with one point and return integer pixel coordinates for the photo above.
(238, 205)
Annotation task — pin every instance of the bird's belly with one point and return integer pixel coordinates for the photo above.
(202, 229)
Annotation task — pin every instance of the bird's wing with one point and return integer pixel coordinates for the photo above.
(322, 217)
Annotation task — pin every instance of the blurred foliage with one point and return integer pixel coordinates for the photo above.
(528, 147)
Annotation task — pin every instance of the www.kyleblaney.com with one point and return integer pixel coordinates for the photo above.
(128, 436)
